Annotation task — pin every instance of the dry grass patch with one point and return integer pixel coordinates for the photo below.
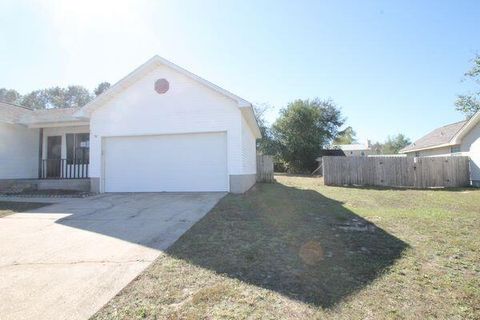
(299, 250)
(11, 207)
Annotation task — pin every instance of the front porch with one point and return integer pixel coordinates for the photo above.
(64, 153)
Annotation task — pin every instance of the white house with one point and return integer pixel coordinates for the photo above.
(161, 128)
(460, 138)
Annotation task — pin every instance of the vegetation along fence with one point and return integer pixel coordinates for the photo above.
(421, 172)
(264, 168)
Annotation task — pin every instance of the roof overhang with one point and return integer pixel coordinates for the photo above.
(56, 124)
(472, 122)
(429, 147)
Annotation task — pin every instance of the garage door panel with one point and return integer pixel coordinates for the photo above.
(173, 163)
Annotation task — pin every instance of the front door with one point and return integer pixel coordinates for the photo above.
(54, 156)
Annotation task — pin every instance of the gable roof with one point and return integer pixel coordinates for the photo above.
(448, 135)
(245, 106)
(352, 147)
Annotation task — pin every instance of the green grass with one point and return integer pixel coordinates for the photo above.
(299, 250)
(11, 207)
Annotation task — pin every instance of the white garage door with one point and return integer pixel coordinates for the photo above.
(174, 163)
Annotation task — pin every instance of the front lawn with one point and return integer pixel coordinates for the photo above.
(299, 250)
(10, 207)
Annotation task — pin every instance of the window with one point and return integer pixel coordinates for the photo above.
(78, 148)
(455, 149)
(417, 153)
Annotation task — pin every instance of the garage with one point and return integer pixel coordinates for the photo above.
(171, 163)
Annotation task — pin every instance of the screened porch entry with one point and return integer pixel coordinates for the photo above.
(65, 156)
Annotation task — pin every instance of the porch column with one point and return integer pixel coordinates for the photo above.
(40, 151)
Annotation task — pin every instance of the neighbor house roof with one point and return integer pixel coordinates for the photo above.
(12, 113)
(352, 147)
(448, 135)
(245, 106)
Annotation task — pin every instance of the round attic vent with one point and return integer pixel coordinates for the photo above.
(161, 86)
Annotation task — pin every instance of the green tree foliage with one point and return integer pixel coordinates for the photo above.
(392, 145)
(469, 104)
(56, 97)
(346, 136)
(9, 96)
(102, 87)
(302, 129)
(265, 145)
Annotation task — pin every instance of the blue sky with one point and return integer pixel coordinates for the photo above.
(392, 66)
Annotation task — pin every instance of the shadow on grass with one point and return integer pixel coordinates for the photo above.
(295, 242)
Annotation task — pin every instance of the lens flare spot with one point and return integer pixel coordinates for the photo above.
(311, 252)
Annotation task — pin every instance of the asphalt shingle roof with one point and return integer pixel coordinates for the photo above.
(51, 115)
(12, 113)
(437, 137)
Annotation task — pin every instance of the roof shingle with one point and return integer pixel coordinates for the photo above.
(437, 137)
(12, 113)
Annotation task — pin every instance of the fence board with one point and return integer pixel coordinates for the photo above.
(264, 168)
(420, 172)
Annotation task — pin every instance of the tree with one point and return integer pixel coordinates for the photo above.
(395, 143)
(76, 96)
(265, 145)
(56, 97)
(302, 129)
(37, 99)
(346, 136)
(9, 96)
(102, 87)
(469, 104)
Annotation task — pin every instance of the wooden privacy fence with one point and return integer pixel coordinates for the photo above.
(421, 172)
(264, 168)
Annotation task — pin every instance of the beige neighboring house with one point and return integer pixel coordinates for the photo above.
(355, 149)
(459, 138)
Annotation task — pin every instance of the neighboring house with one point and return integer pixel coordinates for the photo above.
(355, 149)
(161, 128)
(326, 153)
(460, 138)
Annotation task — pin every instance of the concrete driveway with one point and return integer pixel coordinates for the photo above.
(66, 260)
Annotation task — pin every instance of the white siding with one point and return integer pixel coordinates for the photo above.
(18, 152)
(187, 107)
(471, 144)
(249, 151)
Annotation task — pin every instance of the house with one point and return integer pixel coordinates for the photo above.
(460, 138)
(355, 149)
(326, 153)
(161, 128)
